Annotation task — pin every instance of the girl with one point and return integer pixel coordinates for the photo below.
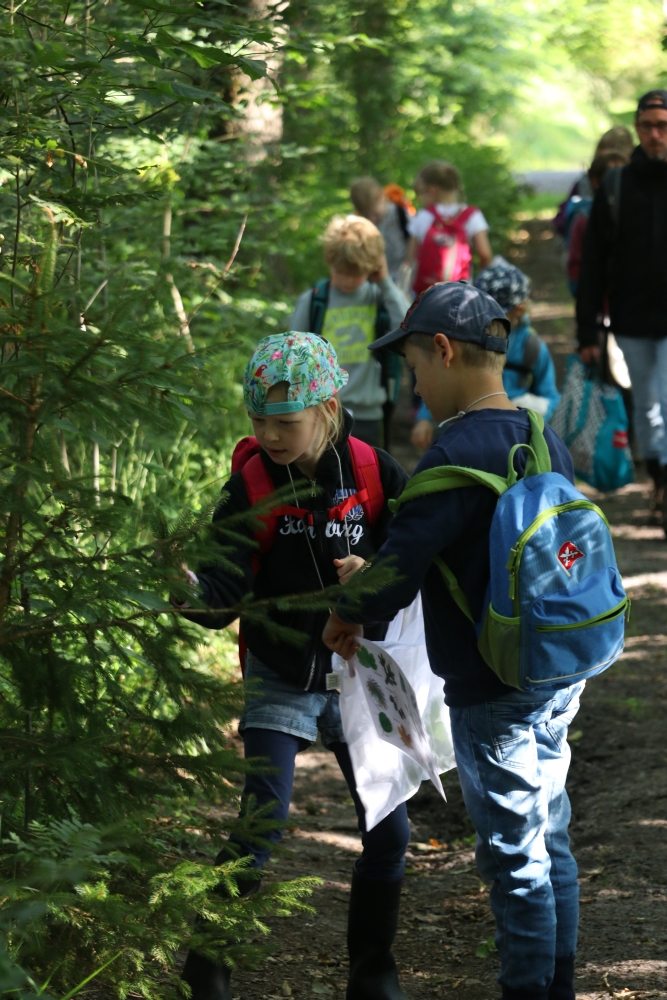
(290, 390)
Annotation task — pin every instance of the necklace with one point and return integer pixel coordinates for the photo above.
(462, 413)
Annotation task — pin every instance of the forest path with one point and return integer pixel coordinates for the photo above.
(618, 786)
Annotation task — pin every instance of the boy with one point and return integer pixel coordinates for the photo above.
(390, 214)
(529, 377)
(348, 311)
(464, 229)
(511, 746)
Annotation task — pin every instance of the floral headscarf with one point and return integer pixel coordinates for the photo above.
(308, 364)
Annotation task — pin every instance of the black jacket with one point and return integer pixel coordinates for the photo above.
(629, 263)
(287, 568)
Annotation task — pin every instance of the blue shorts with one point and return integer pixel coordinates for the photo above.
(273, 703)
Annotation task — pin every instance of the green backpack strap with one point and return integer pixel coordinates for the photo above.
(450, 477)
(539, 459)
(447, 477)
(455, 591)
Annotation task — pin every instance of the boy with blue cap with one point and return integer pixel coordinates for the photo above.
(529, 376)
(511, 746)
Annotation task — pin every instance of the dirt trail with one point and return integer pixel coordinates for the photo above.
(618, 786)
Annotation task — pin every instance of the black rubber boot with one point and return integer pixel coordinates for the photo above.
(207, 980)
(371, 928)
(562, 987)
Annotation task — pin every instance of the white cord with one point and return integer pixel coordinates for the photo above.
(305, 531)
(462, 413)
(342, 493)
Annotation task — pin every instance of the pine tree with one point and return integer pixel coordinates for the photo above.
(110, 722)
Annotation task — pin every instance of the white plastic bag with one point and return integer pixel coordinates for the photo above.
(386, 775)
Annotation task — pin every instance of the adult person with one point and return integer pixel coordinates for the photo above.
(624, 264)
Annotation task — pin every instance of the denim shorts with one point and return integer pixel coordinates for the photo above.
(272, 703)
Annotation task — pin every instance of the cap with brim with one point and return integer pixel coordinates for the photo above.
(456, 309)
(654, 99)
(305, 362)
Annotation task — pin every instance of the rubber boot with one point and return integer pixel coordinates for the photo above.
(562, 986)
(207, 980)
(371, 928)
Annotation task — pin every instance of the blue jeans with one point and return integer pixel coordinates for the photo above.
(647, 364)
(279, 721)
(512, 755)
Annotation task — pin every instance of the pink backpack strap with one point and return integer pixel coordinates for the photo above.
(366, 467)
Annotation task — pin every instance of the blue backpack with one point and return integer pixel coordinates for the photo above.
(592, 422)
(555, 609)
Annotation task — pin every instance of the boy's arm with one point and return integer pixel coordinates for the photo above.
(393, 298)
(300, 320)
(411, 250)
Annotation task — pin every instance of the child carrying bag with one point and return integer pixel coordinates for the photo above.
(593, 424)
(555, 609)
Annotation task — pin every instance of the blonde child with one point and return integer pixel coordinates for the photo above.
(292, 391)
(352, 307)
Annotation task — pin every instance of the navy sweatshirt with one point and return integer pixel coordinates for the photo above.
(287, 568)
(456, 525)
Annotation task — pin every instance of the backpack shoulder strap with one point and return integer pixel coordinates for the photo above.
(611, 182)
(258, 485)
(319, 300)
(447, 477)
(366, 468)
(531, 352)
(464, 215)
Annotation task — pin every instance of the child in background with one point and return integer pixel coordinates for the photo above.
(445, 231)
(351, 309)
(292, 392)
(390, 210)
(529, 377)
(511, 746)
(578, 220)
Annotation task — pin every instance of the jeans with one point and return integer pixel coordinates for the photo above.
(647, 364)
(290, 713)
(512, 755)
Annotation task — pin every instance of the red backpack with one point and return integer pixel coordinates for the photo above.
(247, 460)
(444, 254)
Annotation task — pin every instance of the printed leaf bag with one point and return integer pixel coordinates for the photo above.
(593, 424)
(395, 720)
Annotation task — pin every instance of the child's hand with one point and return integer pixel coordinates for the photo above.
(340, 637)
(422, 434)
(348, 566)
(381, 273)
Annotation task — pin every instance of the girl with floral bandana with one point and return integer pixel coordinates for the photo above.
(291, 390)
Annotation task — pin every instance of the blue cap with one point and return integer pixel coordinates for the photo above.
(454, 308)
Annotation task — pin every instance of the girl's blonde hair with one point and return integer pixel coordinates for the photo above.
(353, 245)
(333, 422)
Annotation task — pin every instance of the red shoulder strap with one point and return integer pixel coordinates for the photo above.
(366, 467)
(464, 215)
(258, 485)
(243, 452)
